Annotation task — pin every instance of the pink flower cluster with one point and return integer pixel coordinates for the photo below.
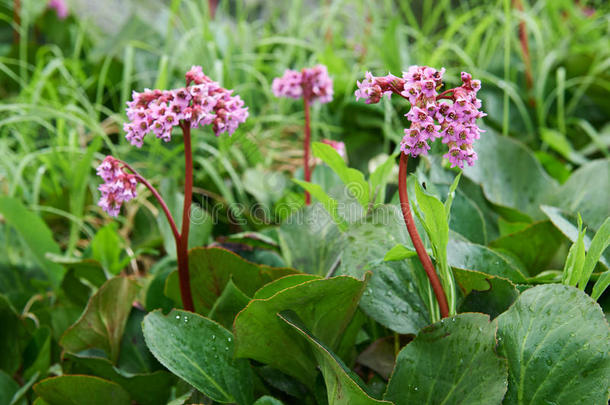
(118, 186)
(201, 102)
(313, 83)
(430, 117)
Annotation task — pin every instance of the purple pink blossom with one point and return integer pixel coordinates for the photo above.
(431, 117)
(202, 102)
(118, 186)
(313, 83)
(60, 7)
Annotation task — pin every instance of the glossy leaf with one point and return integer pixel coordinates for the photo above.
(210, 270)
(102, 323)
(200, 351)
(587, 192)
(535, 245)
(470, 256)
(522, 186)
(392, 296)
(310, 241)
(341, 385)
(484, 293)
(450, 362)
(146, 389)
(81, 389)
(556, 340)
(8, 388)
(12, 334)
(37, 353)
(227, 306)
(327, 305)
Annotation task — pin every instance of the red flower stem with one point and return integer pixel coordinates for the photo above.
(183, 243)
(306, 146)
(212, 5)
(160, 200)
(16, 20)
(416, 239)
(529, 77)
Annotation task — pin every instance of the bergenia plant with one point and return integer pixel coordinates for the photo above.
(201, 102)
(312, 85)
(451, 116)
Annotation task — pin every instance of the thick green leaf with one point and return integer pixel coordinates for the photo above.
(12, 335)
(470, 256)
(521, 186)
(36, 235)
(227, 306)
(268, 290)
(341, 385)
(102, 323)
(556, 340)
(567, 224)
(145, 389)
(325, 305)
(587, 192)
(392, 296)
(200, 351)
(310, 240)
(37, 354)
(134, 357)
(484, 293)
(210, 270)
(352, 178)
(329, 203)
(535, 245)
(450, 362)
(81, 389)
(8, 388)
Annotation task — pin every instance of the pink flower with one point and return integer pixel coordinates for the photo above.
(60, 7)
(200, 104)
(118, 186)
(430, 117)
(315, 83)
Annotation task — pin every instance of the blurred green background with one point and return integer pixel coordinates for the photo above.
(64, 84)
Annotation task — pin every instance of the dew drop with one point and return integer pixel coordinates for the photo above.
(226, 348)
(177, 316)
(213, 337)
(229, 339)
